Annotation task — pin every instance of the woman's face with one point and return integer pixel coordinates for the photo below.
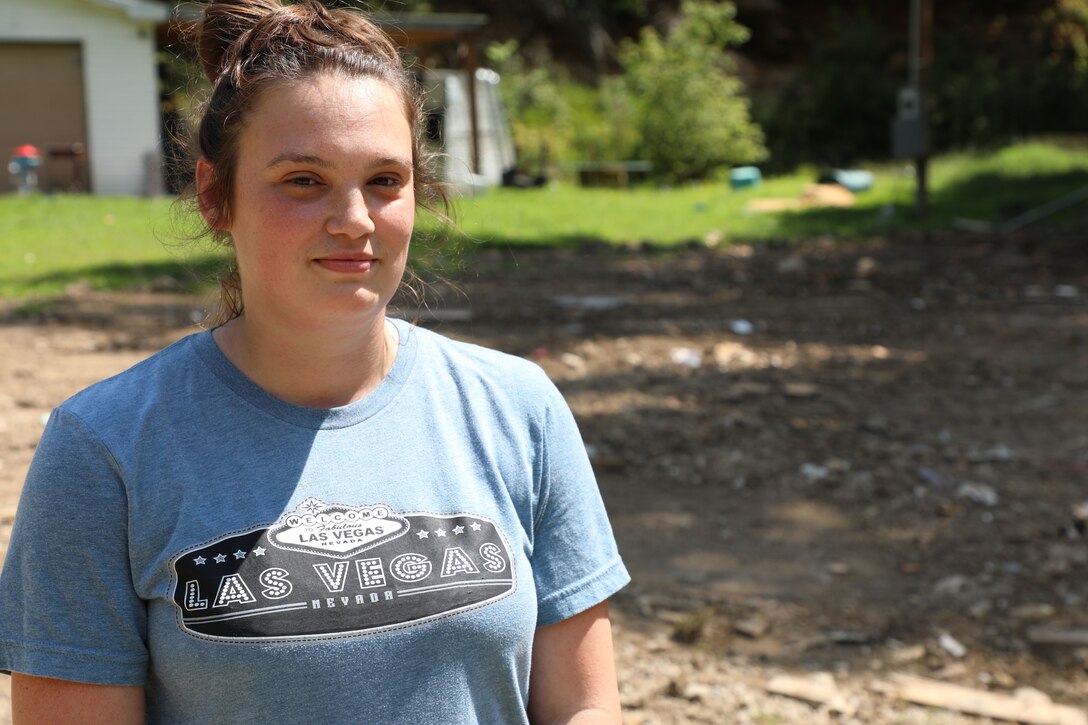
(323, 202)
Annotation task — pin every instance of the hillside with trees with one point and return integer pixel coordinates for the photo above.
(821, 78)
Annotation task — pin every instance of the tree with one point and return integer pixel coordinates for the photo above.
(692, 116)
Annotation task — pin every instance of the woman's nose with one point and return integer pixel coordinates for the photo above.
(350, 216)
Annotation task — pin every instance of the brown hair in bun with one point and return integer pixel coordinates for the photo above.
(245, 46)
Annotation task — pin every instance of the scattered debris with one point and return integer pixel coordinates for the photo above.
(903, 655)
(1058, 636)
(1080, 511)
(980, 609)
(849, 636)
(951, 671)
(752, 627)
(931, 477)
(741, 327)
(950, 585)
(1035, 611)
(794, 264)
(690, 691)
(1066, 291)
(866, 267)
(951, 645)
(800, 390)
(812, 472)
(1025, 705)
(735, 355)
(818, 689)
(1000, 453)
(1063, 558)
(588, 303)
(572, 361)
(686, 357)
(978, 493)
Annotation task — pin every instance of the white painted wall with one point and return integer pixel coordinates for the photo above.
(449, 89)
(119, 77)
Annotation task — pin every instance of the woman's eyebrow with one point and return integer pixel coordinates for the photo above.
(298, 159)
(394, 161)
(321, 162)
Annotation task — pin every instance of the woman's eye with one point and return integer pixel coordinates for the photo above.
(390, 182)
(302, 181)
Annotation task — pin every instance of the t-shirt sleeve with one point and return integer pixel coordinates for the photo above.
(68, 608)
(575, 560)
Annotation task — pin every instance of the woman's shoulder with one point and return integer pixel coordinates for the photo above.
(469, 362)
(135, 388)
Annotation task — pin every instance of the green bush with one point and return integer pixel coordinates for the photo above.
(690, 112)
(679, 103)
(552, 119)
(603, 121)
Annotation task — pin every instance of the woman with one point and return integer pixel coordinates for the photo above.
(311, 512)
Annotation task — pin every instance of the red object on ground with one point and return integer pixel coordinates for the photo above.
(25, 151)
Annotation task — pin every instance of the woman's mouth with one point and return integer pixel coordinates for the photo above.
(346, 264)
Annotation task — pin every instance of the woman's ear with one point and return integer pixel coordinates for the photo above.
(208, 196)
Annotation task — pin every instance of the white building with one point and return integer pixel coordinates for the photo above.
(78, 80)
(448, 99)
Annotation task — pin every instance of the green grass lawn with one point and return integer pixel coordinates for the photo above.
(50, 242)
(983, 188)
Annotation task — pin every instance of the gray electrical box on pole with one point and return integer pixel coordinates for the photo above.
(910, 135)
(909, 127)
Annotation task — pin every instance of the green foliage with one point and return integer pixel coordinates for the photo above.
(985, 93)
(603, 121)
(679, 103)
(539, 111)
(554, 119)
(690, 113)
(1010, 70)
(1067, 21)
(836, 109)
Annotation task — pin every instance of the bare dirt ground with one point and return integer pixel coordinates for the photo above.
(827, 461)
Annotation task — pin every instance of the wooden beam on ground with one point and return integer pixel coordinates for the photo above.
(1058, 636)
(1025, 705)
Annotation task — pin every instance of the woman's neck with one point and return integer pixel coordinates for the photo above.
(314, 368)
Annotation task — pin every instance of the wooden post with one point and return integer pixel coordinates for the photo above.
(471, 63)
(921, 61)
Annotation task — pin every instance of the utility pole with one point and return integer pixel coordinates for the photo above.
(921, 42)
(910, 127)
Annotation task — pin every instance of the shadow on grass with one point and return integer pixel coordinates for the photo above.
(431, 257)
(188, 275)
(990, 197)
(457, 244)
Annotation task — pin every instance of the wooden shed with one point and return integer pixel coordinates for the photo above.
(78, 81)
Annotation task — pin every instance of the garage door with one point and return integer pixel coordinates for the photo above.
(41, 93)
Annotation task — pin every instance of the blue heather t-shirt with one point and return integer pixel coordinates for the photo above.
(249, 560)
